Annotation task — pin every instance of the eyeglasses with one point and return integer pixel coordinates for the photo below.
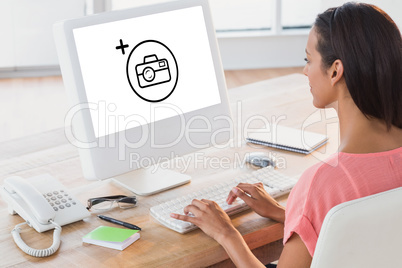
(106, 203)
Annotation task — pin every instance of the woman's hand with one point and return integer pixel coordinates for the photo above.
(209, 217)
(259, 200)
(216, 223)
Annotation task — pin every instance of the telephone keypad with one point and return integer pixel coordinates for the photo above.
(59, 200)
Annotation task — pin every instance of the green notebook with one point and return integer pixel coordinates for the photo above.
(112, 237)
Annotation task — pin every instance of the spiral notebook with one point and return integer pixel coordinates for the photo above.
(289, 139)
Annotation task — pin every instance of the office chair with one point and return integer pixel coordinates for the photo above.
(365, 232)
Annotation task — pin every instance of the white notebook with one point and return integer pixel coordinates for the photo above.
(290, 139)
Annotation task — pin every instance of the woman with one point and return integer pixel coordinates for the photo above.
(354, 65)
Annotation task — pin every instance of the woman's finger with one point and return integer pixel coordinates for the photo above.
(199, 203)
(237, 191)
(250, 189)
(183, 218)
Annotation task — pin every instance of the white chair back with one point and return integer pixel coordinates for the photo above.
(365, 232)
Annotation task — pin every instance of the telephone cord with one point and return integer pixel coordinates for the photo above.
(37, 252)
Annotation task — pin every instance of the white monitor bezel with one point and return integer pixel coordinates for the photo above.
(101, 163)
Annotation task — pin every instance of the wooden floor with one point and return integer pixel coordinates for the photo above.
(33, 105)
(242, 77)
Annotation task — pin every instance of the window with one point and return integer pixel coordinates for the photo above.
(262, 33)
(228, 15)
(248, 15)
(245, 15)
(242, 15)
(296, 14)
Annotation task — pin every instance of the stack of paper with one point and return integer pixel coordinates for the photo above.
(112, 237)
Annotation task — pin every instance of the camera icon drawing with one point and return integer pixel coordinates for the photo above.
(153, 71)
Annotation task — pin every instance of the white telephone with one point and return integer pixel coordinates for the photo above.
(45, 204)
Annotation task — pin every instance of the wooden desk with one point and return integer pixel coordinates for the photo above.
(285, 99)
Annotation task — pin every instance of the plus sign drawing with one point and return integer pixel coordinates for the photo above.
(151, 70)
(122, 47)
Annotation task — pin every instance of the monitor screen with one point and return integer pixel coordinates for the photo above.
(145, 84)
(137, 64)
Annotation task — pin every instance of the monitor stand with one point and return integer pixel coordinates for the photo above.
(148, 181)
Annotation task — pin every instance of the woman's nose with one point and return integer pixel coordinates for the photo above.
(305, 70)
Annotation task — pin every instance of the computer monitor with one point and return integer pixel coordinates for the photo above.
(146, 85)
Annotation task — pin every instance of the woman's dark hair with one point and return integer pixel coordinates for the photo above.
(369, 44)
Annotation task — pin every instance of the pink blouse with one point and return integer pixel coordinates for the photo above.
(342, 177)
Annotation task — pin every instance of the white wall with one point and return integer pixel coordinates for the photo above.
(27, 45)
(263, 50)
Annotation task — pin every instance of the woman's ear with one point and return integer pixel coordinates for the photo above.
(336, 71)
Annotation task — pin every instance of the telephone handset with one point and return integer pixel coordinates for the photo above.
(45, 204)
(36, 203)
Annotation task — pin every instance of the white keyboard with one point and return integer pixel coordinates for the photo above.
(275, 183)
